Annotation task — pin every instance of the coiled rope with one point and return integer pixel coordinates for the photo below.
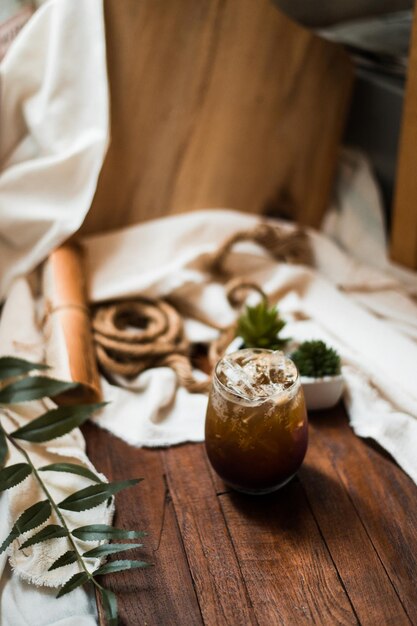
(139, 334)
(135, 335)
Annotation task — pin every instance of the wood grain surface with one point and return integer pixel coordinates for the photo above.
(218, 103)
(404, 219)
(337, 545)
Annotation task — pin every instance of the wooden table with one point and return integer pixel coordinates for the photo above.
(338, 545)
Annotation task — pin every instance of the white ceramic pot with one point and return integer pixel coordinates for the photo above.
(322, 393)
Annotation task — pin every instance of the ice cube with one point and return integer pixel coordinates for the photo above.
(258, 370)
(283, 372)
(237, 380)
(271, 373)
(256, 375)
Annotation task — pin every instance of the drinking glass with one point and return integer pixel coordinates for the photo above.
(256, 423)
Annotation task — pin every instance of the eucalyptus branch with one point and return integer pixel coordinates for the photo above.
(54, 506)
(52, 424)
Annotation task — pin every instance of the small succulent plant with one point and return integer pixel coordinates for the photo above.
(315, 359)
(260, 325)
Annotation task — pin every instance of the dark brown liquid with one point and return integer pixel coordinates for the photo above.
(256, 448)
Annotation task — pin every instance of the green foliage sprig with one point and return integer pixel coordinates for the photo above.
(315, 359)
(260, 326)
(55, 423)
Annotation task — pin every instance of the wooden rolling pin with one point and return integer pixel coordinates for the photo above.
(69, 341)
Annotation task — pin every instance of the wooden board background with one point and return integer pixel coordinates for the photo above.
(218, 103)
(404, 220)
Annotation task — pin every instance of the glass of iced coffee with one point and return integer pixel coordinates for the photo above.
(256, 423)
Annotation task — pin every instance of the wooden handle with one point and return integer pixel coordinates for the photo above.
(70, 348)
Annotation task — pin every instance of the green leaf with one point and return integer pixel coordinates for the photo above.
(11, 537)
(52, 531)
(33, 388)
(13, 475)
(72, 468)
(65, 559)
(34, 516)
(3, 448)
(75, 581)
(102, 531)
(10, 367)
(111, 548)
(120, 566)
(93, 496)
(110, 606)
(56, 422)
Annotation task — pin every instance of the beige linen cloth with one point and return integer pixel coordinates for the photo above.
(167, 256)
